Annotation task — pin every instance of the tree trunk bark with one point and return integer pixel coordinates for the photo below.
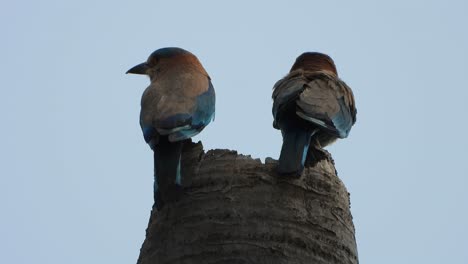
(235, 209)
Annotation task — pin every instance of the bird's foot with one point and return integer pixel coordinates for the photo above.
(315, 154)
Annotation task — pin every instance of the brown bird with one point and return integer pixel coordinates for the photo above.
(311, 105)
(178, 104)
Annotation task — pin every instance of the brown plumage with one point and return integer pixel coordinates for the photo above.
(178, 104)
(311, 106)
(314, 61)
(175, 84)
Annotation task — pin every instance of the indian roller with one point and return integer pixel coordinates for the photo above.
(177, 105)
(311, 106)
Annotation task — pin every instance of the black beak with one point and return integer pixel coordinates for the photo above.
(141, 68)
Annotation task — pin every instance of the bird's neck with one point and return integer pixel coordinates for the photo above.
(300, 72)
(176, 70)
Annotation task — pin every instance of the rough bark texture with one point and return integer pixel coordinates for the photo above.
(237, 210)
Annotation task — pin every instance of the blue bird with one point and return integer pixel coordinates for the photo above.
(311, 106)
(177, 105)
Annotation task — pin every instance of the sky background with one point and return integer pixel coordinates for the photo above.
(76, 177)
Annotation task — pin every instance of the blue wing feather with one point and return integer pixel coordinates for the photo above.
(205, 110)
(203, 114)
(148, 133)
(186, 125)
(343, 120)
(286, 97)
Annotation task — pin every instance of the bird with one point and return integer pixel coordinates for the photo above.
(312, 107)
(177, 105)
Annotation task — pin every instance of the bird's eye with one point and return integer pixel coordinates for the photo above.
(153, 61)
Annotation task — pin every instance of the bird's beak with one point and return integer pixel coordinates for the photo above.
(141, 68)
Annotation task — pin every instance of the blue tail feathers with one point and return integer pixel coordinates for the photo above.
(294, 151)
(167, 157)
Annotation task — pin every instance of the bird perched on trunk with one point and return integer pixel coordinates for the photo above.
(311, 105)
(177, 105)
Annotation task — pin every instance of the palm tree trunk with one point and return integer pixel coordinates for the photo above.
(237, 210)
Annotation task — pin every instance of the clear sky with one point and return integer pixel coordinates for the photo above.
(76, 176)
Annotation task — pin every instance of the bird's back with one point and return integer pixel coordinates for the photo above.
(317, 97)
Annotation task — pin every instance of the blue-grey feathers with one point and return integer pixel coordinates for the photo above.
(167, 157)
(201, 116)
(294, 150)
(343, 121)
(310, 104)
(177, 105)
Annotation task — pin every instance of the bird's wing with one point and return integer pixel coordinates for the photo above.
(327, 102)
(285, 92)
(177, 107)
(201, 116)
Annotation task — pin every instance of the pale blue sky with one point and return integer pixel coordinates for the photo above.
(76, 176)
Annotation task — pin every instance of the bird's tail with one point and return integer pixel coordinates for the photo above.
(294, 151)
(167, 182)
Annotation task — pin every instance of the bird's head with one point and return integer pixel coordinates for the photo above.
(166, 58)
(314, 61)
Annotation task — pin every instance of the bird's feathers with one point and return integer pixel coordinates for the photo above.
(294, 150)
(286, 91)
(181, 105)
(201, 116)
(178, 104)
(167, 157)
(311, 105)
(319, 97)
